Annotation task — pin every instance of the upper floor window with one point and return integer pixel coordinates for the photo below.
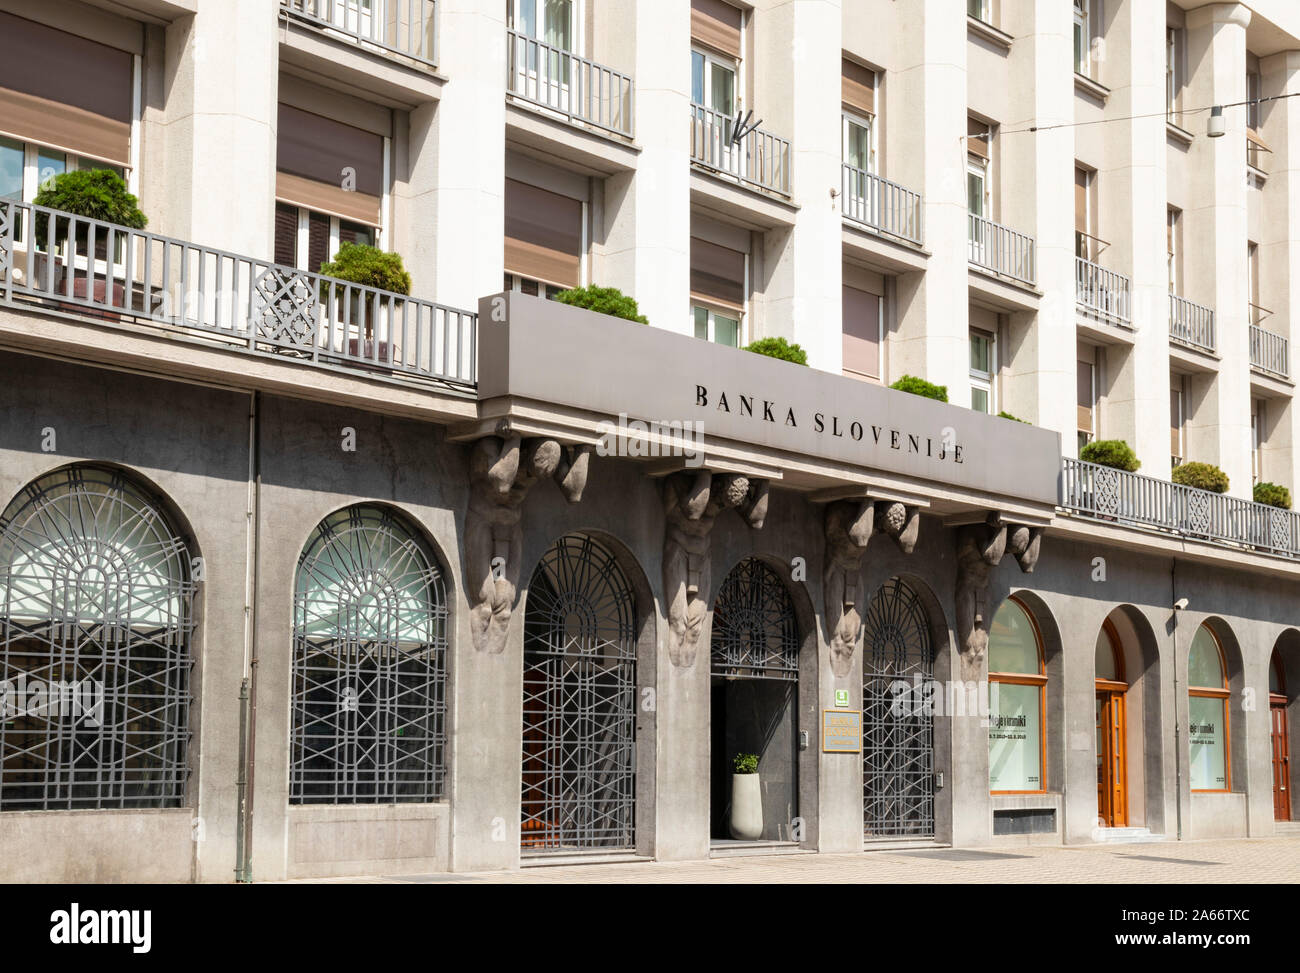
(331, 183)
(858, 98)
(979, 9)
(552, 22)
(1173, 230)
(716, 56)
(546, 239)
(862, 316)
(979, 163)
(1086, 400)
(719, 290)
(1173, 71)
(983, 367)
(1177, 420)
(1083, 37)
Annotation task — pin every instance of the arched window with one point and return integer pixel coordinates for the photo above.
(96, 603)
(1207, 710)
(1017, 698)
(1109, 656)
(369, 664)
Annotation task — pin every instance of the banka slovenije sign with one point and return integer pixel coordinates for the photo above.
(596, 368)
(841, 731)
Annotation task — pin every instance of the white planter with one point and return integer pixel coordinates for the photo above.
(746, 807)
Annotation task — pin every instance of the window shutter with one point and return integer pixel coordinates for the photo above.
(65, 91)
(1081, 199)
(286, 234)
(861, 333)
(858, 87)
(314, 157)
(543, 235)
(716, 25)
(717, 275)
(1175, 422)
(978, 136)
(1084, 383)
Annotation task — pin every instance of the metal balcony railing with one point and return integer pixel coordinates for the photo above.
(582, 91)
(1135, 500)
(1269, 352)
(884, 206)
(760, 158)
(1191, 324)
(1002, 250)
(117, 274)
(1103, 292)
(406, 27)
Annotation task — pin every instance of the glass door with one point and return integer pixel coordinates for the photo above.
(862, 203)
(977, 205)
(713, 89)
(542, 61)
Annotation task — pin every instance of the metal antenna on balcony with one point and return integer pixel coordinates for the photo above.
(742, 127)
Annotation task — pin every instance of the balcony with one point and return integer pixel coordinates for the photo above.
(881, 205)
(584, 92)
(1191, 324)
(1133, 500)
(1003, 251)
(195, 292)
(1269, 352)
(1103, 293)
(404, 27)
(758, 159)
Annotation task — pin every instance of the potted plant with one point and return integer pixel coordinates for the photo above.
(95, 194)
(1112, 454)
(746, 821)
(358, 263)
(603, 300)
(779, 348)
(919, 386)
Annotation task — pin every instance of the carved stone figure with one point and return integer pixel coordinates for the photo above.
(900, 522)
(979, 549)
(692, 502)
(501, 472)
(848, 525)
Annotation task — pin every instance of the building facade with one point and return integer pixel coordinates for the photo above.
(301, 577)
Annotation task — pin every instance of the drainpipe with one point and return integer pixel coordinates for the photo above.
(1178, 744)
(248, 685)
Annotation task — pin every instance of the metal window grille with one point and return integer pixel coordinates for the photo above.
(898, 732)
(755, 633)
(96, 604)
(578, 787)
(369, 664)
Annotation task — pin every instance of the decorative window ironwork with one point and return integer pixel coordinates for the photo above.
(96, 606)
(369, 664)
(898, 729)
(755, 632)
(579, 739)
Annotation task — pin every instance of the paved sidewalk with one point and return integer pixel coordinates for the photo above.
(1258, 860)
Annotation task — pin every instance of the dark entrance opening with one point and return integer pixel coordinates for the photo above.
(754, 700)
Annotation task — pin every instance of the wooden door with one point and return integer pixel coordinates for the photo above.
(1281, 761)
(1112, 797)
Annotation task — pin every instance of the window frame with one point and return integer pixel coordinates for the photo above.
(1178, 393)
(714, 311)
(1028, 679)
(1173, 73)
(1209, 692)
(1093, 405)
(1082, 15)
(302, 242)
(985, 381)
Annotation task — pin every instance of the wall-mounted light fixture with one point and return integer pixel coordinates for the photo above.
(1214, 125)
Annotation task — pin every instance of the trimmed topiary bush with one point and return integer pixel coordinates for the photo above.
(1115, 453)
(603, 300)
(97, 194)
(359, 263)
(1273, 495)
(1008, 415)
(1202, 476)
(778, 348)
(919, 386)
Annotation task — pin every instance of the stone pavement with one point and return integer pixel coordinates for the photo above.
(1254, 860)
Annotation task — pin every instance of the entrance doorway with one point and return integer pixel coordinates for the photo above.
(1281, 745)
(897, 742)
(579, 730)
(1112, 769)
(754, 659)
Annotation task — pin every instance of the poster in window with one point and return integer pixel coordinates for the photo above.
(1015, 725)
(1207, 743)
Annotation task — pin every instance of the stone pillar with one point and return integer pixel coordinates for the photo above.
(222, 70)
(925, 119)
(1132, 197)
(648, 212)
(1279, 251)
(1037, 171)
(796, 94)
(1214, 236)
(452, 192)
